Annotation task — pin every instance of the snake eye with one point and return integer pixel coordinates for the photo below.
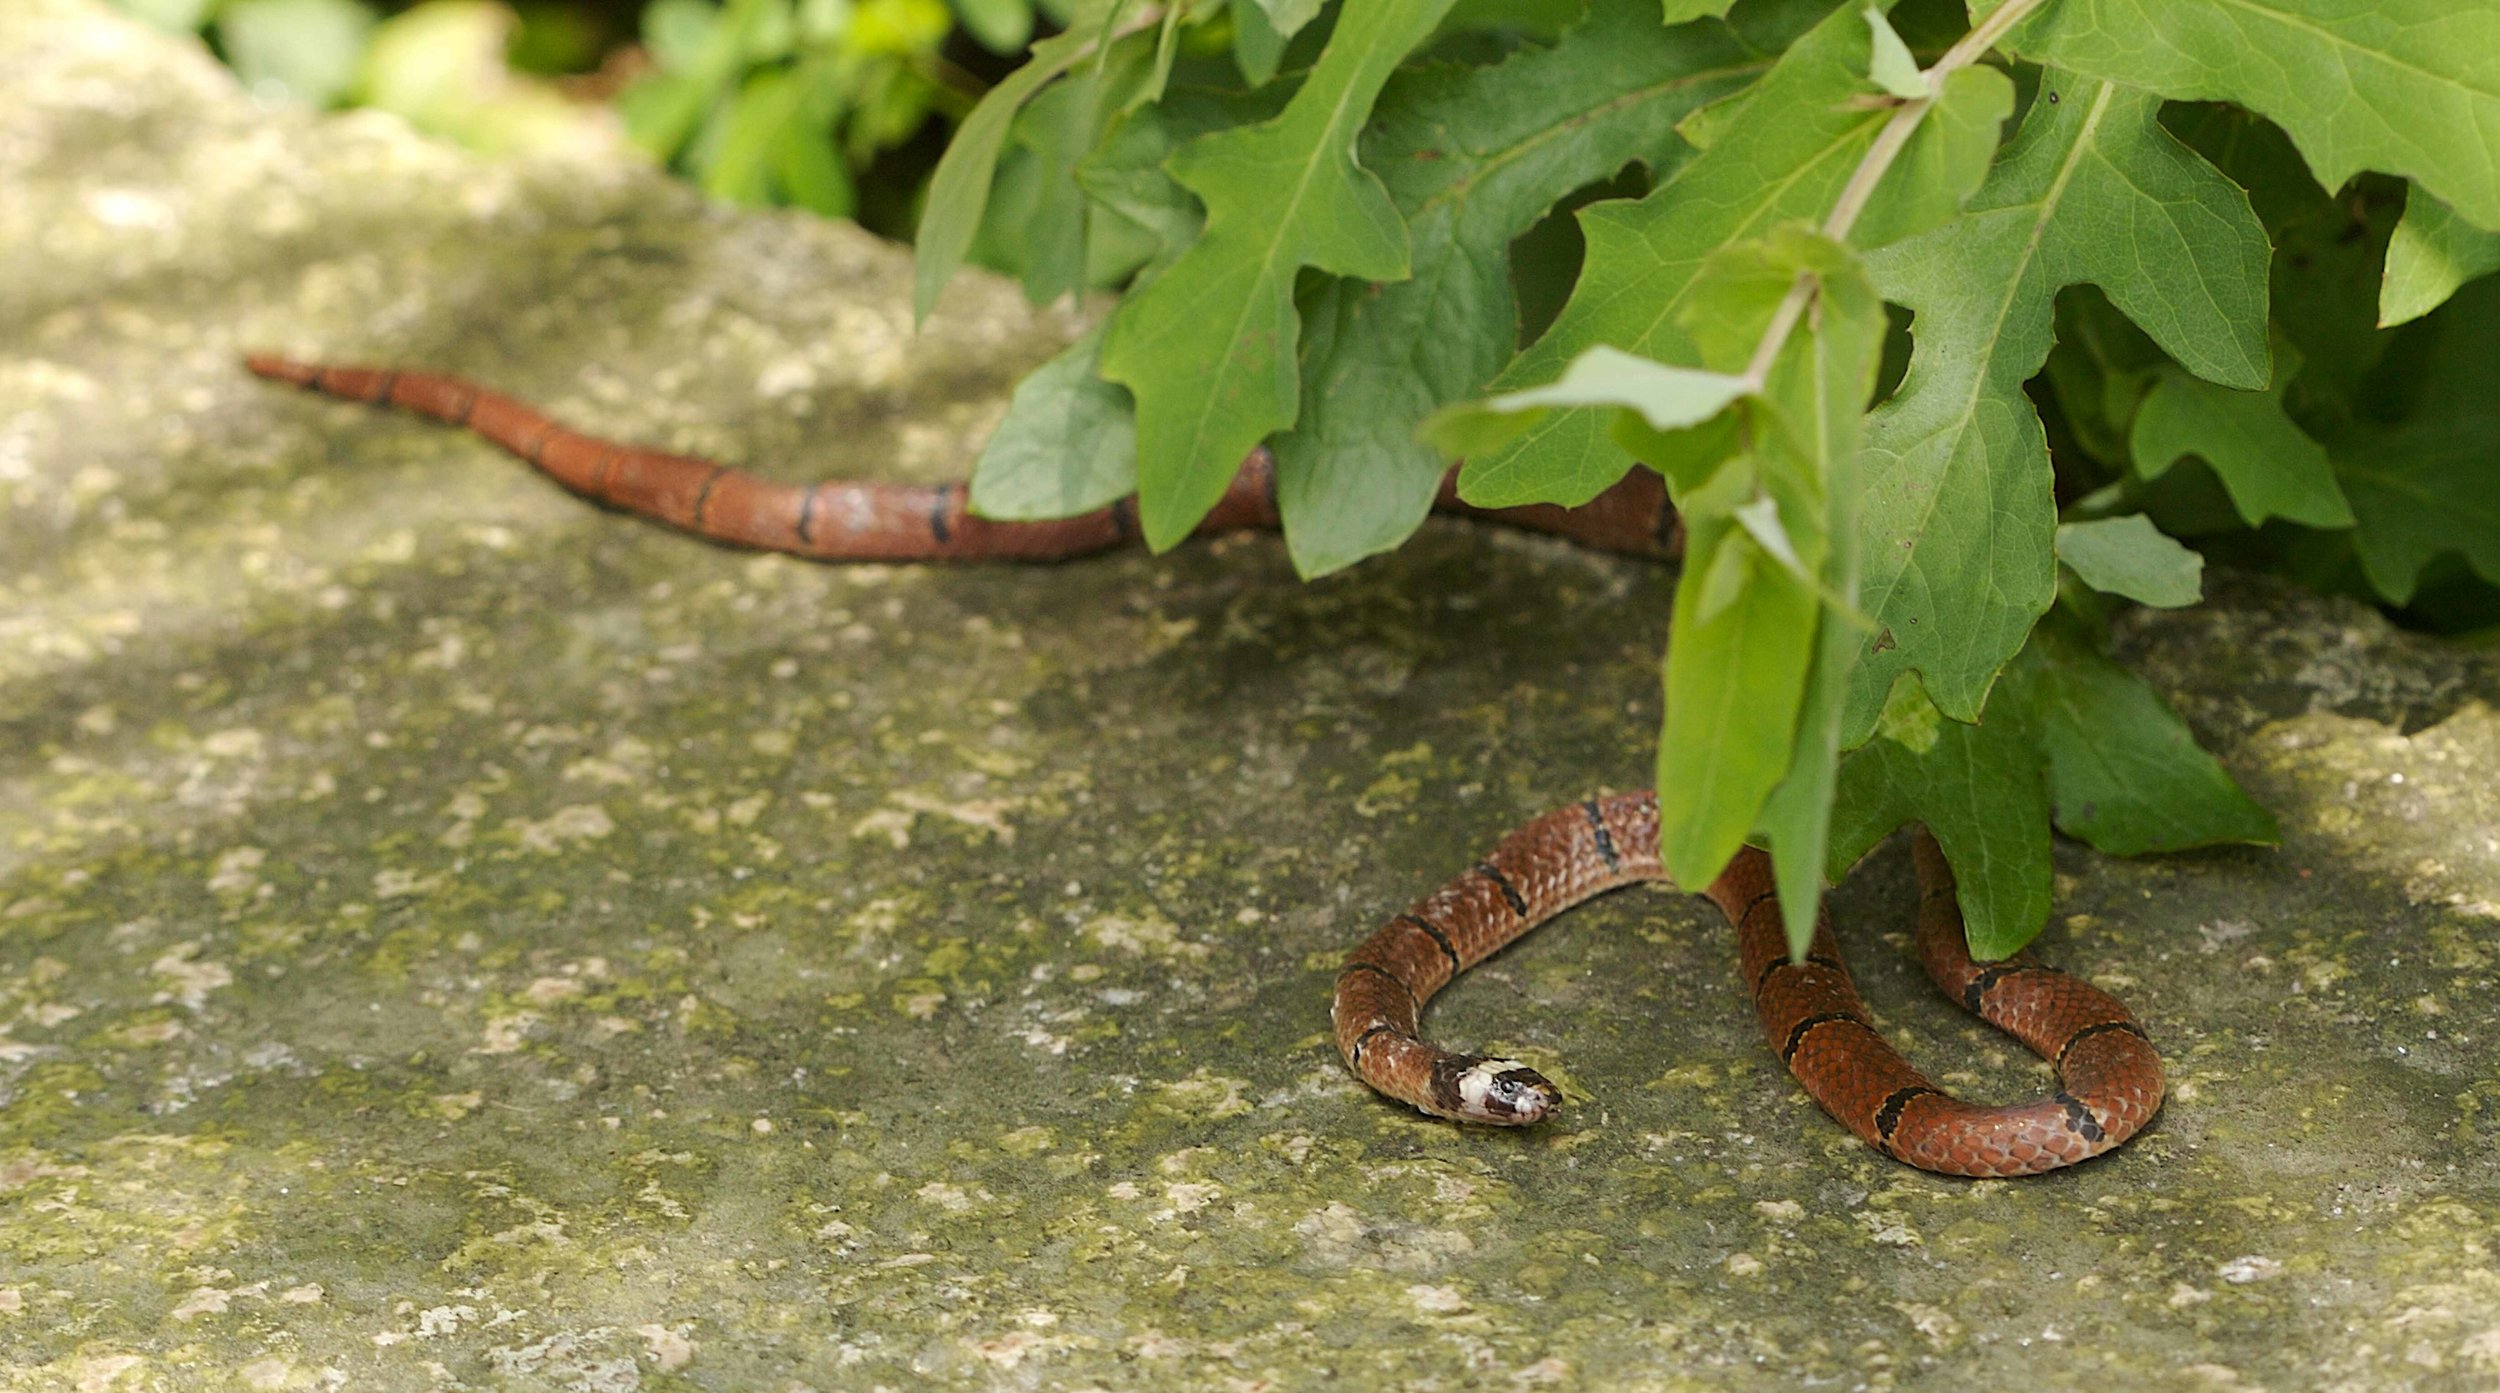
(1523, 1094)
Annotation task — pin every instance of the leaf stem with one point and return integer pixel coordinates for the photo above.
(1860, 190)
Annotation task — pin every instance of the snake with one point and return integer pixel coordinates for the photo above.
(847, 520)
(2109, 1074)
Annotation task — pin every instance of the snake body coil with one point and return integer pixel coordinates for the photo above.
(2109, 1077)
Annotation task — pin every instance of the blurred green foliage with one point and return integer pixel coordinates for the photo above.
(789, 101)
(837, 106)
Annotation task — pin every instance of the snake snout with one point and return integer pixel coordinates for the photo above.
(1506, 1093)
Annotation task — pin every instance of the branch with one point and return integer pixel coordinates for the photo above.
(1854, 196)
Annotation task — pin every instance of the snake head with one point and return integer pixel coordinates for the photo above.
(1503, 1092)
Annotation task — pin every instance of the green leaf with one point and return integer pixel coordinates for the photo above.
(2125, 774)
(1771, 27)
(306, 49)
(1723, 580)
(1067, 445)
(1469, 428)
(1735, 677)
(1744, 625)
(960, 188)
(1796, 819)
(2068, 734)
(2270, 466)
(702, 52)
(2410, 87)
(1783, 154)
(1167, 52)
(1208, 349)
(1532, 21)
(172, 16)
(2422, 485)
(1658, 396)
(1001, 26)
(877, 28)
(2328, 250)
(2419, 492)
(1761, 521)
(1041, 232)
(1472, 157)
(1891, 67)
(1688, 459)
(2129, 556)
(814, 23)
(1980, 789)
(678, 33)
(2434, 252)
(766, 28)
(1678, 11)
(808, 169)
(740, 170)
(2099, 372)
(1815, 402)
(662, 110)
(1286, 17)
(1761, 651)
(1959, 511)
(444, 67)
(889, 100)
(1939, 170)
(1668, 398)
(1257, 47)
(1126, 176)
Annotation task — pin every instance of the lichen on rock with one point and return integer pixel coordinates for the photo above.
(451, 936)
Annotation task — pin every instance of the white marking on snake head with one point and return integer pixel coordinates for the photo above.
(1504, 1090)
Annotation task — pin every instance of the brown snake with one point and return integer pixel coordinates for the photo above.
(843, 521)
(2110, 1078)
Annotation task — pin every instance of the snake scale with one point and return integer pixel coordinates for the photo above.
(2109, 1076)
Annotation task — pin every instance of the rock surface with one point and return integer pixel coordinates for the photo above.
(453, 937)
